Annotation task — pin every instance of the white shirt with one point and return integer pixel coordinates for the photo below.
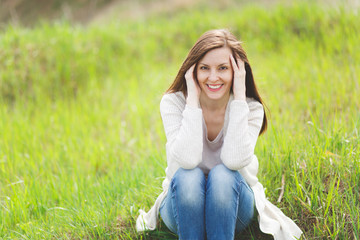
(183, 127)
(211, 150)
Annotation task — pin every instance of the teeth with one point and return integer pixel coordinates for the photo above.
(215, 86)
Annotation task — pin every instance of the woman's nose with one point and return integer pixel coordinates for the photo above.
(213, 76)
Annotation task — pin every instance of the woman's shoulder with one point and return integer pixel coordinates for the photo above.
(170, 100)
(174, 95)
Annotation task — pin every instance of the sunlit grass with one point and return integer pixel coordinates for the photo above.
(82, 146)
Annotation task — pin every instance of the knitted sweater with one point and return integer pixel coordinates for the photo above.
(183, 130)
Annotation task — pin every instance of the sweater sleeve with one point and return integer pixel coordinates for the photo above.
(183, 130)
(245, 121)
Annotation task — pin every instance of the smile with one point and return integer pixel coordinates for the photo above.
(214, 87)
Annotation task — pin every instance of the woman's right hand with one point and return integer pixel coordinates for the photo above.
(193, 88)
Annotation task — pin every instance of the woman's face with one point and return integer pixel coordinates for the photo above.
(215, 74)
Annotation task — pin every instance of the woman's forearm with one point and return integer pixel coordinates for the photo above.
(241, 135)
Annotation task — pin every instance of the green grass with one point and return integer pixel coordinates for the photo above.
(82, 146)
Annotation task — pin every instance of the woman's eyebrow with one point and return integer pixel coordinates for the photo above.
(203, 64)
(225, 63)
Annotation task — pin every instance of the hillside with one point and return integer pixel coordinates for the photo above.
(29, 13)
(26, 13)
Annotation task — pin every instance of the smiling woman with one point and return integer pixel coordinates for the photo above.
(212, 116)
(214, 74)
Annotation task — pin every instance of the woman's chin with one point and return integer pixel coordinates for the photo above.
(213, 96)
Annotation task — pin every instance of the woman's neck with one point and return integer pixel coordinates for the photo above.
(214, 105)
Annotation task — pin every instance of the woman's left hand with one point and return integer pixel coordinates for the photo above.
(239, 88)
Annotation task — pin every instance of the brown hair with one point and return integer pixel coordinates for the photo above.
(210, 40)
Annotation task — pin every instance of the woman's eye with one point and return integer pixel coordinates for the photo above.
(203, 68)
(223, 68)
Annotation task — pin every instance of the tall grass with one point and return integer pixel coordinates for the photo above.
(82, 143)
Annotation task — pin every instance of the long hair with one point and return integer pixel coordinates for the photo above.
(210, 40)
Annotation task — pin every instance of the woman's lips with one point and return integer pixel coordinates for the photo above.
(214, 87)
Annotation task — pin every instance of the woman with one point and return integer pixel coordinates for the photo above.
(212, 116)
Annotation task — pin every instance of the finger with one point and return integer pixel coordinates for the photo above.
(190, 71)
(241, 63)
(233, 63)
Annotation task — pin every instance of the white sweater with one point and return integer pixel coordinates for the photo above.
(243, 121)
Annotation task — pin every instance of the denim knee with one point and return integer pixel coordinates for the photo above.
(188, 177)
(221, 170)
(189, 184)
(222, 181)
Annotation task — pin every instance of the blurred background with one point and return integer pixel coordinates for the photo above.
(28, 13)
(82, 146)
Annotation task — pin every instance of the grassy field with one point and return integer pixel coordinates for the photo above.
(82, 147)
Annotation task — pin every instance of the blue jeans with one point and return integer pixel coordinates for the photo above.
(216, 207)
